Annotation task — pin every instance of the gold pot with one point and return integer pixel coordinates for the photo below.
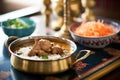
(44, 66)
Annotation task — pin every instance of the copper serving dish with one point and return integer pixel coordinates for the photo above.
(44, 66)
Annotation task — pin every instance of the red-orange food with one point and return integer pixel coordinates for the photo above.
(94, 29)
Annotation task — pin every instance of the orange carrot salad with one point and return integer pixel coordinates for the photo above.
(94, 29)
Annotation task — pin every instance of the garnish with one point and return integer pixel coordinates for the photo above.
(19, 53)
(17, 23)
(44, 57)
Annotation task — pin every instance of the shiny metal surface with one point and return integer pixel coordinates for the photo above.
(44, 66)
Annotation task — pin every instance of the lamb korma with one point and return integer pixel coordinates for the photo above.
(45, 49)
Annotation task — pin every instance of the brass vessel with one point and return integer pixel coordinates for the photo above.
(44, 66)
(88, 5)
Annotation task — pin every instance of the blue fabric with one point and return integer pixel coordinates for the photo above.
(91, 61)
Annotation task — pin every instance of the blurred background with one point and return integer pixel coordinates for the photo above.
(105, 8)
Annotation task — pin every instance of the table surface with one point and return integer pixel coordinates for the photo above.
(98, 64)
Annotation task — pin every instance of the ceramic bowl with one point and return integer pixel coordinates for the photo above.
(20, 32)
(95, 42)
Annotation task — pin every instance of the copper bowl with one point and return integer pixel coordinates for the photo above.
(44, 66)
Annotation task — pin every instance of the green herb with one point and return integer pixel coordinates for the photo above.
(19, 53)
(44, 57)
(17, 23)
(65, 51)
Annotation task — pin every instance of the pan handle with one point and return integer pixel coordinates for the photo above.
(10, 40)
(88, 52)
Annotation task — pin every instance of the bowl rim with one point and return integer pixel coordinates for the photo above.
(32, 37)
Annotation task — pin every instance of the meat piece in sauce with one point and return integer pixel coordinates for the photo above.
(41, 47)
(42, 53)
(35, 49)
(57, 50)
(45, 45)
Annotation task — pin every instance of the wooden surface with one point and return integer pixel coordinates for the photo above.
(114, 75)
